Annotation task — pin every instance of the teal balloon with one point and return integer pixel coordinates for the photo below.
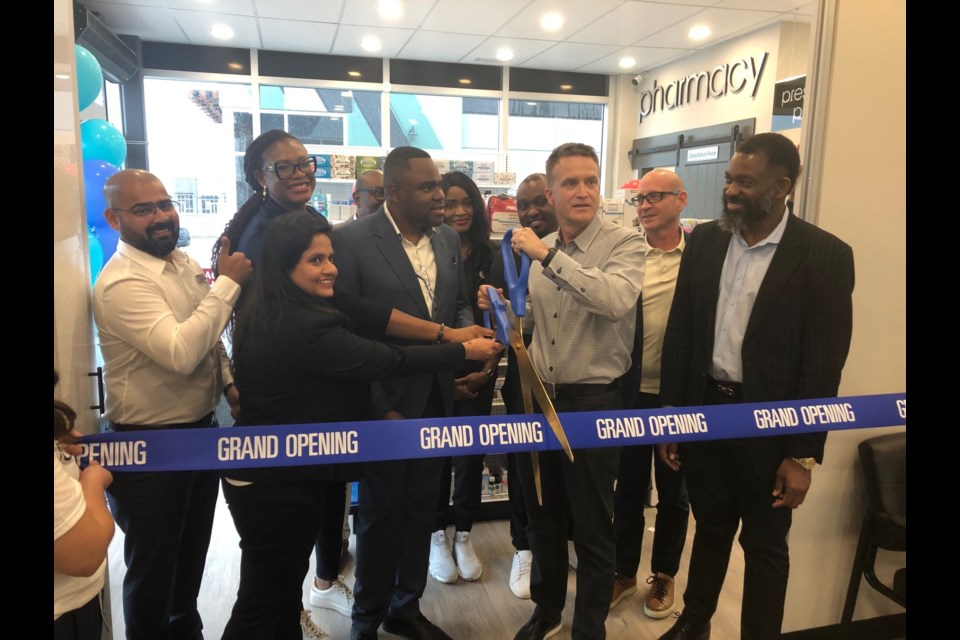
(89, 77)
(102, 141)
(108, 238)
(96, 255)
(95, 176)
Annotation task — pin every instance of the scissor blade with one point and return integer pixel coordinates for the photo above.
(528, 373)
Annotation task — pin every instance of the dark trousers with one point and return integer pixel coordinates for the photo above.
(396, 516)
(467, 475)
(166, 518)
(518, 507)
(726, 491)
(277, 522)
(581, 491)
(83, 623)
(330, 538)
(673, 507)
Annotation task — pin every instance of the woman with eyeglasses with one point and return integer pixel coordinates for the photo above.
(297, 361)
(464, 211)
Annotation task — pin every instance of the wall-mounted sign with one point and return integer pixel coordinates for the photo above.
(722, 80)
(702, 154)
(788, 103)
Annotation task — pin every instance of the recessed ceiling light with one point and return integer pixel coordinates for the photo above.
(221, 32)
(354, 74)
(504, 54)
(346, 94)
(699, 32)
(412, 121)
(465, 81)
(531, 104)
(627, 62)
(62, 76)
(236, 66)
(371, 44)
(338, 107)
(390, 9)
(551, 21)
(566, 87)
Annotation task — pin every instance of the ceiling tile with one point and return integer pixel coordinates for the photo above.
(722, 22)
(646, 57)
(455, 15)
(632, 21)
(802, 7)
(348, 40)
(564, 56)
(486, 53)
(290, 35)
(440, 46)
(364, 13)
(238, 7)
(197, 24)
(325, 11)
(527, 23)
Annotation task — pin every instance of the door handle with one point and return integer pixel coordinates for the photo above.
(99, 375)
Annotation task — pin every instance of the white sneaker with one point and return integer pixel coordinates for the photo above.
(337, 598)
(520, 574)
(442, 567)
(467, 561)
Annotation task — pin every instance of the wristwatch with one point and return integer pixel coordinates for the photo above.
(806, 463)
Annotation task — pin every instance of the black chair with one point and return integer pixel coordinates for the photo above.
(884, 461)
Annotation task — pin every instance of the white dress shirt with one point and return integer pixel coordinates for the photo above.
(159, 324)
(422, 259)
(743, 271)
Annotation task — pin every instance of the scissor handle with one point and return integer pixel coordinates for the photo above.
(516, 282)
(500, 313)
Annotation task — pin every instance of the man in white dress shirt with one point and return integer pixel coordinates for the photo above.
(159, 326)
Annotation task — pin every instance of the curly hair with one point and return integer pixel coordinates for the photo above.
(64, 417)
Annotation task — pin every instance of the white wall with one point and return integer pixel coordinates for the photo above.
(865, 146)
(72, 325)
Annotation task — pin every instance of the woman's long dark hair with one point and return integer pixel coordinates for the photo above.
(479, 232)
(284, 241)
(252, 162)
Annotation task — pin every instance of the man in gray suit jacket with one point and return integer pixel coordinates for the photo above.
(762, 312)
(403, 256)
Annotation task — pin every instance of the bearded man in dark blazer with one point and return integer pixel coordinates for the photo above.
(762, 312)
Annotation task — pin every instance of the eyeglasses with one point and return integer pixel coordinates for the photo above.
(539, 202)
(653, 197)
(145, 209)
(286, 170)
(376, 192)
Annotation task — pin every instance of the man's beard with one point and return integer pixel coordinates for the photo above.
(749, 216)
(160, 248)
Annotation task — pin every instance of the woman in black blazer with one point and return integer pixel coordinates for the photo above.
(296, 360)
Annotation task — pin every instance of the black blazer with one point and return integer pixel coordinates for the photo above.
(373, 264)
(313, 368)
(797, 338)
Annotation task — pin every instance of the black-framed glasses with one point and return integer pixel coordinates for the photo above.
(653, 197)
(376, 192)
(286, 170)
(145, 209)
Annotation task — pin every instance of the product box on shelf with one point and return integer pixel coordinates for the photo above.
(502, 213)
(483, 171)
(366, 163)
(343, 167)
(443, 166)
(463, 166)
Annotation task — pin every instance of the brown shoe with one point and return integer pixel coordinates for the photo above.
(659, 602)
(622, 588)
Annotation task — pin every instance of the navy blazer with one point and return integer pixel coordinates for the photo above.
(797, 338)
(373, 264)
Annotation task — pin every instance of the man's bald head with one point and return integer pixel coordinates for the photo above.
(368, 184)
(661, 219)
(139, 207)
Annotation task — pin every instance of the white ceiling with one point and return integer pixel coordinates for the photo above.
(595, 35)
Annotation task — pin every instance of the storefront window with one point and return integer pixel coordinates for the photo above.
(537, 126)
(198, 132)
(450, 124)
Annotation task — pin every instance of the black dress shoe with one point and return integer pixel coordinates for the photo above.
(417, 629)
(360, 635)
(539, 626)
(686, 629)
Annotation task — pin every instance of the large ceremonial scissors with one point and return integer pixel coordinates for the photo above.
(510, 331)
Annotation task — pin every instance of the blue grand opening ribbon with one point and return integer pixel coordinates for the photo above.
(328, 443)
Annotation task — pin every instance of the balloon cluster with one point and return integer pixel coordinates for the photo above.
(104, 149)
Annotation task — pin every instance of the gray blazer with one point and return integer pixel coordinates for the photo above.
(373, 264)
